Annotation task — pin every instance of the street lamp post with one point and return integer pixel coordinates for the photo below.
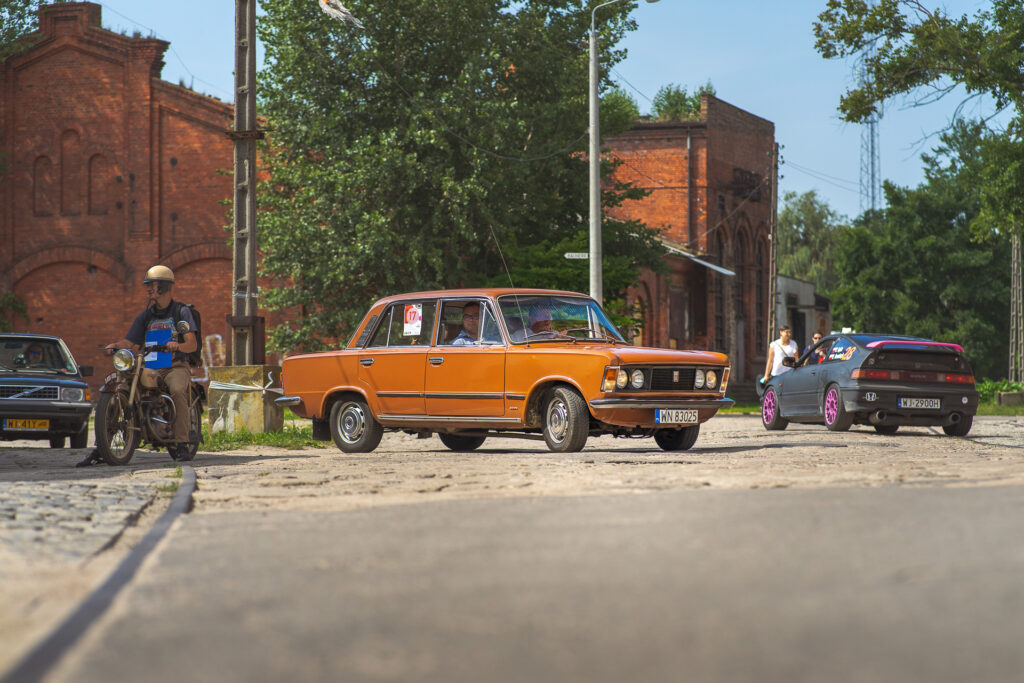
(596, 278)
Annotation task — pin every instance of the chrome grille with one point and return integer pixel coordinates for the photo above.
(29, 392)
(672, 379)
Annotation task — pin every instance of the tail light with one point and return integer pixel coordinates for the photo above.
(911, 376)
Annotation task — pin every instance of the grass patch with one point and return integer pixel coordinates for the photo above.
(997, 410)
(291, 437)
(168, 488)
(742, 409)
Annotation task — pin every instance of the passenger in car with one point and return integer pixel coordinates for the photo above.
(470, 326)
(540, 322)
(515, 327)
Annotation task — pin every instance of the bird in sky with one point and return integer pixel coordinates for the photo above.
(339, 11)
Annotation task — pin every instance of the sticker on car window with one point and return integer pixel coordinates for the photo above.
(413, 320)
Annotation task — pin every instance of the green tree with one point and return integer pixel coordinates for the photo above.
(808, 229)
(673, 103)
(402, 156)
(11, 308)
(17, 18)
(915, 269)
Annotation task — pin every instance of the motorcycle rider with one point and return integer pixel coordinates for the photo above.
(159, 314)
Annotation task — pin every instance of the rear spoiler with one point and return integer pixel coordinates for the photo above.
(900, 342)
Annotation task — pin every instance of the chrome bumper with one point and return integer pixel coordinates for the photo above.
(659, 403)
(287, 401)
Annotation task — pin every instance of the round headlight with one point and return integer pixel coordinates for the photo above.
(637, 379)
(123, 359)
(698, 380)
(621, 378)
(711, 379)
(72, 394)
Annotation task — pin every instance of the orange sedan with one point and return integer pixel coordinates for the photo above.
(473, 363)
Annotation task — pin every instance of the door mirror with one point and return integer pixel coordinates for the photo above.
(789, 361)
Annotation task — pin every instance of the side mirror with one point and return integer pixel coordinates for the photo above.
(85, 370)
(789, 362)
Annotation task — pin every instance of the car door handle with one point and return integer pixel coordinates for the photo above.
(436, 360)
(366, 361)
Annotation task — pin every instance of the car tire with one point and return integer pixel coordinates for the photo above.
(888, 430)
(461, 442)
(961, 428)
(353, 427)
(771, 412)
(56, 442)
(677, 439)
(566, 420)
(81, 439)
(833, 410)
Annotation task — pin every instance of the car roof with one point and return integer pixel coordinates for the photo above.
(864, 338)
(487, 292)
(29, 335)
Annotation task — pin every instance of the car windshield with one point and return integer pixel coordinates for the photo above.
(542, 317)
(28, 354)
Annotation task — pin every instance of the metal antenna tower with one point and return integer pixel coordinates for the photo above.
(870, 153)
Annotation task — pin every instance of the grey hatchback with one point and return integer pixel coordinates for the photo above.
(42, 392)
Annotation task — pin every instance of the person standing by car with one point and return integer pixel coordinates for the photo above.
(781, 348)
(162, 313)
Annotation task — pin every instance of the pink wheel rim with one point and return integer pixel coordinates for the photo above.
(831, 406)
(768, 407)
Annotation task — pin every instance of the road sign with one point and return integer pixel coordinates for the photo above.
(577, 255)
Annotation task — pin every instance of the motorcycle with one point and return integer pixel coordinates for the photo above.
(135, 406)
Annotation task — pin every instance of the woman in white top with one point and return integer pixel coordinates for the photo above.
(779, 349)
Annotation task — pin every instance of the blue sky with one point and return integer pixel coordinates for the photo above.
(758, 55)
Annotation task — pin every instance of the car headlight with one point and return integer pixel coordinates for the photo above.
(698, 380)
(637, 379)
(621, 378)
(72, 394)
(711, 379)
(123, 359)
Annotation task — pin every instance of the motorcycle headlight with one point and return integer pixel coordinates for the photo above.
(698, 380)
(637, 379)
(621, 378)
(72, 394)
(123, 359)
(711, 379)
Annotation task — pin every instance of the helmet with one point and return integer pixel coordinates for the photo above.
(159, 274)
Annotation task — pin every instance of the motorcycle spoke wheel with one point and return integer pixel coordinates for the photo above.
(117, 435)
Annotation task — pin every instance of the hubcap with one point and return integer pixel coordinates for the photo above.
(353, 421)
(558, 420)
(831, 406)
(768, 409)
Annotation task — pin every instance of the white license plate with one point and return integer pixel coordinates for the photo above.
(675, 417)
(920, 403)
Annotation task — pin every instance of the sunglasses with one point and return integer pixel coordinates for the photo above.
(817, 338)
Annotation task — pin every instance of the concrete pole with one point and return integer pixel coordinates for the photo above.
(246, 334)
(773, 252)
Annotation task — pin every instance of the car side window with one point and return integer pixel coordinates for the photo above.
(842, 349)
(481, 327)
(406, 323)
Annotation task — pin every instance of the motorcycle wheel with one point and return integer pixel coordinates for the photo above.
(195, 432)
(117, 434)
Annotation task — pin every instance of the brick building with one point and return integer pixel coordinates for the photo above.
(108, 170)
(710, 194)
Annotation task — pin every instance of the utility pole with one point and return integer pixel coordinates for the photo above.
(773, 252)
(247, 329)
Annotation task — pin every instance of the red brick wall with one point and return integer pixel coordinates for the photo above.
(699, 174)
(109, 170)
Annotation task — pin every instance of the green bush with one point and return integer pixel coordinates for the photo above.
(988, 388)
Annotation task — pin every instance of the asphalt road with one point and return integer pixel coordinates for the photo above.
(891, 583)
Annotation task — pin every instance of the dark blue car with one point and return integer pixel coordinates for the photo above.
(42, 393)
(879, 380)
